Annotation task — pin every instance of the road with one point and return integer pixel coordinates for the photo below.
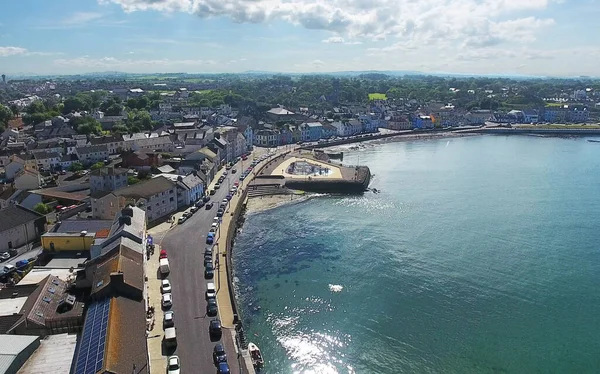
(185, 245)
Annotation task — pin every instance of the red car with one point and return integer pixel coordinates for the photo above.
(163, 254)
(236, 184)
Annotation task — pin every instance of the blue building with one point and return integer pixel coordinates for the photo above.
(315, 131)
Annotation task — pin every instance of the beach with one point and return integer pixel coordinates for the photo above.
(263, 203)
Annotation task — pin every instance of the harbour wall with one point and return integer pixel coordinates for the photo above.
(537, 131)
(345, 186)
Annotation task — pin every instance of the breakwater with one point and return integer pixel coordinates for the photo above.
(348, 185)
(537, 131)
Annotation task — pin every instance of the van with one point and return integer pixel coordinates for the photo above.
(8, 268)
(163, 266)
(170, 339)
(211, 291)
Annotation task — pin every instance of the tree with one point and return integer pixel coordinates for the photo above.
(42, 208)
(35, 107)
(97, 165)
(35, 118)
(76, 166)
(74, 104)
(5, 115)
(132, 180)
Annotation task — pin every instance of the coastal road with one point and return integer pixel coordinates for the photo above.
(185, 245)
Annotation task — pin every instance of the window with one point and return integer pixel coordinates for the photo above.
(171, 199)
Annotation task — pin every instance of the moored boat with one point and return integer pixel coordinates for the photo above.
(593, 140)
(255, 355)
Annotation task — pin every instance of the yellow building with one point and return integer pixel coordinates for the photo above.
(67, 241)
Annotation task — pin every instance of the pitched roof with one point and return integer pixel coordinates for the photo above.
(45, 155)
(16, 215)
(147, 188)
(92, 148)
(280, 111)
(109, 171)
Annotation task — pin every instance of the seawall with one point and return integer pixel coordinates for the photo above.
(537, 131)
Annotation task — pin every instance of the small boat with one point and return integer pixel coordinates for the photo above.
(255, 355)
(593, 140)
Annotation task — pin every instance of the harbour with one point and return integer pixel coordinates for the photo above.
(422, 278)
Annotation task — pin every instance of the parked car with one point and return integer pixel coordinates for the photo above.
(228, 197)
(181, 219)
(223, 368)
(233, 171)
(212, 192)
(219, 354)
(214, 328)
(207, 259)
(225, 201)
(167, 300)
(173, 366)
(4, 256)
(210, 238)
(165, 286)
(208, 206)
(220, 213)
(21, 263)
(211, 308)
(217, 186)
(209, 271)
(168, 319)
(199, 204)
(194, 209)
(206, 199)
(211, 291)
(163, 254)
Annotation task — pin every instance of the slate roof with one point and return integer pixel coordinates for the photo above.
(92, 148)
(16, 215)
(147, 188)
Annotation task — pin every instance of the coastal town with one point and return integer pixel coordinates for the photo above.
(119, 202)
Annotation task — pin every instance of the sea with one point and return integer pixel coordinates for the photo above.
(479, 255)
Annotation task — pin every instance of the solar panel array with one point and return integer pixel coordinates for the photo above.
(90, 357)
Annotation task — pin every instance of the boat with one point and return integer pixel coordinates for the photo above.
(256, 356)
(593, 140)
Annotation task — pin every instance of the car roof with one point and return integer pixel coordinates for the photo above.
(219, 347)
(174, 359)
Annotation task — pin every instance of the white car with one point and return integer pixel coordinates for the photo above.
(173, 366)
(211, 291)
(167, 300)
(165, 286)
(214, 225)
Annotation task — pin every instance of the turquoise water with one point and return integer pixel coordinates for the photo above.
(481, 255)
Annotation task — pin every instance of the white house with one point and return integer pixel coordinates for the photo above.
(157, 196)
(91, 154)
(14, 166)
(47, 160)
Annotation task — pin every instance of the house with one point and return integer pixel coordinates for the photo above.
(108, 179)
(156, 196)
(222, 147)
(478, 117)
(329, 131)
(115, 143)
(422, 122)
(28, 180)
(399, 122)
(14, 167)
(530, 116)
(343, 128)
(20, 226)
(190, 188)
(356, 126)
(7, 191)
(315, 131)
(105, 205)
(47, 160)
(148, 141)
(142, 160)
(50, 309)
(92, 153)
(267, 138)
(280, 114)
(67, 160)
(114, 279)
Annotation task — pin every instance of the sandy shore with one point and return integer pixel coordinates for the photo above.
(262, 203)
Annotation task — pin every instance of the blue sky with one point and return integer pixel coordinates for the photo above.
(540, 37)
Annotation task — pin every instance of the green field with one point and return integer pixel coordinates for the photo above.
(377, 96)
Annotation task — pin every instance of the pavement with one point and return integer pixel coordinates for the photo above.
(185, 246)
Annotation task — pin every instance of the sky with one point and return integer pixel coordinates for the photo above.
(531, 37)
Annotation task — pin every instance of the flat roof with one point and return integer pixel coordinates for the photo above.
(54, 355)
(66, 262)
(11, 346)
(11, 306)
(78, 225)
(82, 195)
(36, 275)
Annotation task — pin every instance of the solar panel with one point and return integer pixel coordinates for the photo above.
(90, 357)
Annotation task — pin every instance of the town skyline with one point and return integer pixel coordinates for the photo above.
(468, 37)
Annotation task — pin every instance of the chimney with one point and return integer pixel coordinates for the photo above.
(116, 279)
(127, 212)
(125, 220)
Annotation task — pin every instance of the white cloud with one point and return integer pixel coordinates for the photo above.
(333, 40)
(12, 51)
(423, 21)
(79, 18)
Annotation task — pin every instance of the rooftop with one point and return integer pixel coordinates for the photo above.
(146, 189)
(11, 346)
(54, 355)
(16, 215)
